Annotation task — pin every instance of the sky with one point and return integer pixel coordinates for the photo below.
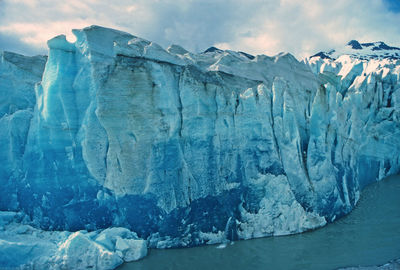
(301, 27)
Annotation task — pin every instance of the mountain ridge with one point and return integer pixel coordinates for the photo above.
(362, 51)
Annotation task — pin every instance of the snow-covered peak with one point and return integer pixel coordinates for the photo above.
(363, 51)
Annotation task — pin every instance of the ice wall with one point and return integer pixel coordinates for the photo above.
(18, 76)
(189, 148)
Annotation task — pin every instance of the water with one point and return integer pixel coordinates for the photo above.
(370, 235)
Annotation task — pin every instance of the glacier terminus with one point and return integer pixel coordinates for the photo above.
(121, 145)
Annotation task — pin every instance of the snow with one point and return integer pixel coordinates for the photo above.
(120, 135)
(364, 51)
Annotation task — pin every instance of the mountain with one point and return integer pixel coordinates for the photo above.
(363, 51)
(186, 149)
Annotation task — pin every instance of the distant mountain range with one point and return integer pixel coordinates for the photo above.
(363, 51)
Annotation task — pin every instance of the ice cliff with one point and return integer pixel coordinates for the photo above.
(185, 149)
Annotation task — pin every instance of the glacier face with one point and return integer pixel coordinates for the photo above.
(18, 76)
(186, 148)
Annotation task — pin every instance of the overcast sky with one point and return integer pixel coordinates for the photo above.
(301, 27)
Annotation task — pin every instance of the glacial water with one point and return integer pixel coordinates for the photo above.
(369, 235)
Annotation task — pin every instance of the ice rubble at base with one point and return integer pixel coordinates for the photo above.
(23, 246)
(186, 149)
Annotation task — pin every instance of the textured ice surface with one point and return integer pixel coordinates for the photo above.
(186, 148)
(25, 247)
(18, 76)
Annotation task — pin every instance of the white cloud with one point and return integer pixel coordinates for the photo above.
(301, 27)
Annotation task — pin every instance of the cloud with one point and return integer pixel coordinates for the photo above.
(255, 26)
(9, 42)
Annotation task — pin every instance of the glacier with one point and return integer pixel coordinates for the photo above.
(23, 246)
(182, 149)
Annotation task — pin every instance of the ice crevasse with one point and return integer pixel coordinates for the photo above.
(187, 149)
